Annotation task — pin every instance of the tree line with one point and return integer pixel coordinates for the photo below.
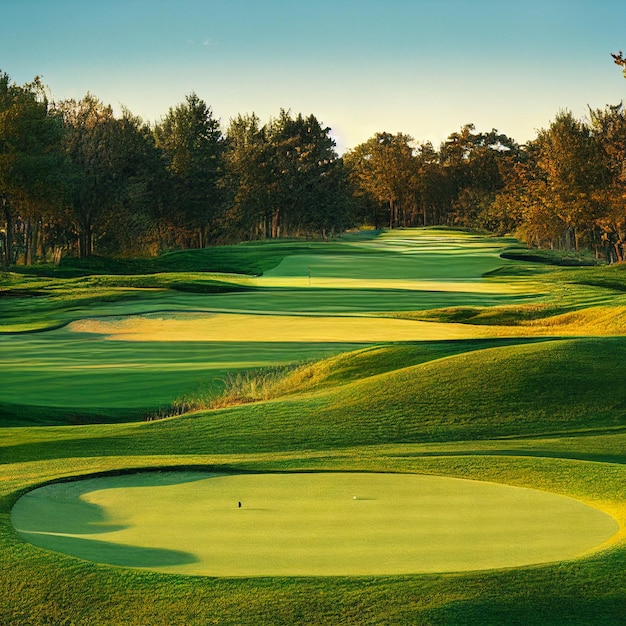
(77, 179)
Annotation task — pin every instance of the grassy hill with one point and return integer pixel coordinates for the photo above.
(554, 388)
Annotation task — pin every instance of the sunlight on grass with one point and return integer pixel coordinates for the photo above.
(597, 321)
(520, 287)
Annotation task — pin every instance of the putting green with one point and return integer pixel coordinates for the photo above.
(307, 523)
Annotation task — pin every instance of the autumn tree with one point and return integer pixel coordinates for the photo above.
(383, 168)
(609, 130)
(571, 165)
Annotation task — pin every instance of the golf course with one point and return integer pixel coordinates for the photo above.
(408, 426)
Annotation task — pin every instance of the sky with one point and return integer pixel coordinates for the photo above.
(420, 67)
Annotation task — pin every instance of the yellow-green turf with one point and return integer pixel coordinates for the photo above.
(307, 524)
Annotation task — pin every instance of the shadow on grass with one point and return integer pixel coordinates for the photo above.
(109, 553)
(61, 507)
(547, 611)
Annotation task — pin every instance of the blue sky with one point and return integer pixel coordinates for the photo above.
(422, 67)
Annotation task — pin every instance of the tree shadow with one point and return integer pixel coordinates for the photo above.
(59, 507)
(109, 553)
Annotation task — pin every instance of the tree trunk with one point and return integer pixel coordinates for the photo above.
(276, 224)
(8, 240)
(85, 242)
(41, 250)
(32, 237)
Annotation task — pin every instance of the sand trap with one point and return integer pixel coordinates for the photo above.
(272, 328)
(307, 524)
(600, 321)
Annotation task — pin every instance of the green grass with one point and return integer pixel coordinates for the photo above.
(549, 415)
(246, 258)
(571, 258)
(63, 377)
(551, 387)
(52, 588)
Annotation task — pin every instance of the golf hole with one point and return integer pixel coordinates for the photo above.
(300, 524)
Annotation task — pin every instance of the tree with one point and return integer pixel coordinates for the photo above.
(571, 164)
(430, 183)
(383, 168)
(284, 178)
(130, 224)
(620, 60)
(475, 165)
(300, 154)
(30, 133)
(247, 178)
(609, 130)
(95, 158)
(194, 147)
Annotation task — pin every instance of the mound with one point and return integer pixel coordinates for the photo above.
(518, 390)
(549, 387)
(542, 388)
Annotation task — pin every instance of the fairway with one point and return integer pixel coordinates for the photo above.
(300, 524)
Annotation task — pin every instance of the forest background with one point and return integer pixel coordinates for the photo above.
(75, 179)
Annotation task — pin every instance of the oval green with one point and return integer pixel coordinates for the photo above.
(307, 524)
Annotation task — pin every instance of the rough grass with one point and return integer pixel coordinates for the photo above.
(271, 383)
